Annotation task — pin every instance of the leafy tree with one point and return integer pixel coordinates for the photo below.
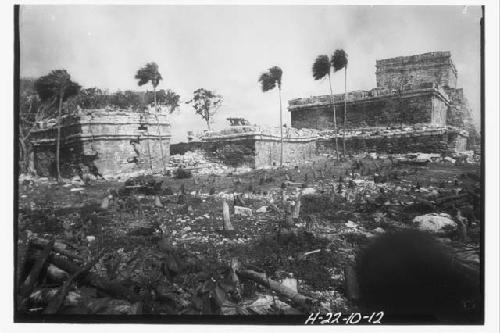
(165, 98)
(127, 99)
(321, 69)
(339, 61)
(206, 103)
(269, 80)
(57, 84)
(150, 73)
(91, 98)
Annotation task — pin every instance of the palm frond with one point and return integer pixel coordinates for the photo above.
(276, 74)
(267, 81)
(150, 72)
(321, 67)
(339, 60)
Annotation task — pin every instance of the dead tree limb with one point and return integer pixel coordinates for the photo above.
(26, 287)
(58, 300)
(301, 301)
(111, 288)
(29, 283)
(41, 243)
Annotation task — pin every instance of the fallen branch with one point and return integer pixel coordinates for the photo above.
(27, 286)
(29, 283)
(41, 243)
(301, 301)
(305, 254)
(58, 300)
(111, 288)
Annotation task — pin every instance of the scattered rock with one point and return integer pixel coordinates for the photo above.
(436, 223)
(243, 211)
(262, 209)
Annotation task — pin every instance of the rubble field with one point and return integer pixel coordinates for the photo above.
(228, 241)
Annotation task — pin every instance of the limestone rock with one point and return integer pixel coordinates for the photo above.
(243, 211)
(436, 223)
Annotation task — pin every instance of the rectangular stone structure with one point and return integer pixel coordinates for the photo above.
(432, 67)
(262, 147)
(411, 90)
(115, 142)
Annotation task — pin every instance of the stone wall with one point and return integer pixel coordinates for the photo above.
(114, 141)
(418, 89)
(435, 67)
(460, 115)
(424, 105)
(433, 141)
(267, 152)
(262, 145)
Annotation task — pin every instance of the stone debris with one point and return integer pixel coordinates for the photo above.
(197, 162)
(262, 209)
(436, 223)
(243, 211)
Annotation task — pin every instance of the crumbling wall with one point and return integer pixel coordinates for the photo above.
(233, 152)
(259, 147)
(112, 141)
(267, 152)
(435, 67)
(460, 115)
(442, 142)
(426, 105)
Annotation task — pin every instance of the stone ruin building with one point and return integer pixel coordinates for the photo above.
(258, 147)
(416, 107)
(114, 141)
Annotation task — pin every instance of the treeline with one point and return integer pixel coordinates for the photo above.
(95, 98)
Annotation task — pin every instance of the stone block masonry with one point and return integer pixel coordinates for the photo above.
(114, 141)
(411, 90)
(262, 146)
(434, 67)
(442, 140)
(372, 108)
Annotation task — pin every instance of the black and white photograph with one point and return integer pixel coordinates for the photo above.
(314, 165)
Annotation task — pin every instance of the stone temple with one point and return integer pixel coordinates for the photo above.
(114, 141)
(417, 93)
(415, 108)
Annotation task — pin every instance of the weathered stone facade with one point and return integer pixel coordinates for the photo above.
(376, 107)
(433, 140)
(419, 89)
(263, 147)
(432, 67)
(113, 141)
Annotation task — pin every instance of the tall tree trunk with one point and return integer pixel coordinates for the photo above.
(281, 129)
(24, 155)
(332, 103)
(58, 140)
(345, 107)
(159, 133)
(147, 141)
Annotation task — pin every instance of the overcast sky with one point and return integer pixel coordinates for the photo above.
(225, 48)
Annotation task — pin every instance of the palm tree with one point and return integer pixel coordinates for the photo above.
(269, 80)
(321, 69)
(150, 73)
(339, 61)
(57, 84)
